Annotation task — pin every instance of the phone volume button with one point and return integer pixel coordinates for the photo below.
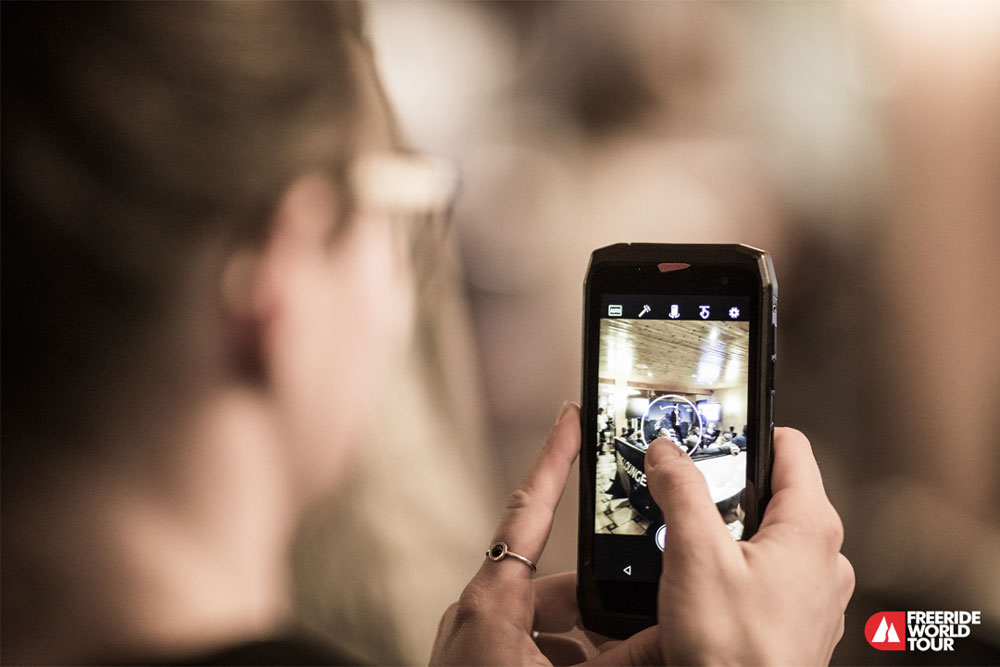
(772, 410)
(774, 328)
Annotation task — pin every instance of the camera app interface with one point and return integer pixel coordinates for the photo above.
(672, 368)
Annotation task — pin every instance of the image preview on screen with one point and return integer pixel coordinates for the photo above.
(676, 374)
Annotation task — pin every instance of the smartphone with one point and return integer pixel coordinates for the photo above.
(678, 343)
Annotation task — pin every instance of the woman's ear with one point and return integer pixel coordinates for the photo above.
(263, 285)
(242, 338)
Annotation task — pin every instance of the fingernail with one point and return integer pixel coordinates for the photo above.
(661, 451)
(566, 406)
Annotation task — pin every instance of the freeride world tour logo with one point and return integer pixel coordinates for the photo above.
(919, 630)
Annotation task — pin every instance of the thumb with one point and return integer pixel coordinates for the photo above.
(680, 490)
(642, 648)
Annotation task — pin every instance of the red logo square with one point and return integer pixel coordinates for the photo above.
(886, 630)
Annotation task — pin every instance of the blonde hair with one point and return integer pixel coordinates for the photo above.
(133, 135)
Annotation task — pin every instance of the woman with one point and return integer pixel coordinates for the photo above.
(203, 281)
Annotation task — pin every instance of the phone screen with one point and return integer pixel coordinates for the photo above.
(675, 367)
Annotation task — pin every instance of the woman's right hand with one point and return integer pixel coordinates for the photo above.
(778, 598)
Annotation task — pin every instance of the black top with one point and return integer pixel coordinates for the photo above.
(290, 650)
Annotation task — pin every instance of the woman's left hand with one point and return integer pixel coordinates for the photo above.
(495, 617)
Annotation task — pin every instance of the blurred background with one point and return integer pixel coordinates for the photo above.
(858, 142)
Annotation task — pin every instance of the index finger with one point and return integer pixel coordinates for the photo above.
(527, 519)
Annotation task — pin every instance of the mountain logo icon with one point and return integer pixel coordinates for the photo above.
(886, 630)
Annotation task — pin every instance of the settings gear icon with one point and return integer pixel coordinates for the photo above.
(734, 312)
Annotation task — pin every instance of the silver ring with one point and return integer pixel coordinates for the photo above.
(499, 551)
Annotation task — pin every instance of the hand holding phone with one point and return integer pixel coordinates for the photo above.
(728, 603)
(778, 598)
